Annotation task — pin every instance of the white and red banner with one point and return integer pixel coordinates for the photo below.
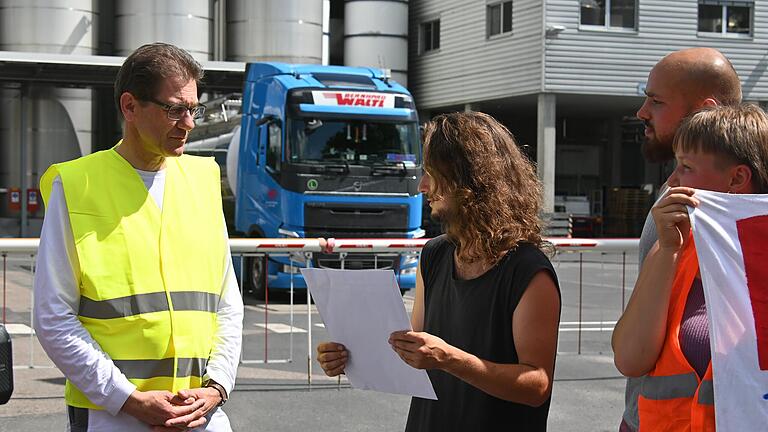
(731, 234)
(353, 99)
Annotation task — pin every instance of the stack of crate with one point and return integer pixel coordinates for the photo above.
(625, 211)
(557, 224)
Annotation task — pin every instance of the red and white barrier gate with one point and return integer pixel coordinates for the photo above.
(305, 248)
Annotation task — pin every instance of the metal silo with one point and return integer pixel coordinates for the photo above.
(376, 35)
(289, 31)
(58, 123)
(186, 24)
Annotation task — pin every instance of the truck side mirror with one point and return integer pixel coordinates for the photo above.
(267, 119)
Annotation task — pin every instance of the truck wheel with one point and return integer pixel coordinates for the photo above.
(256, 276)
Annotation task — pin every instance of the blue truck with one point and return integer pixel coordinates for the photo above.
(317, 151)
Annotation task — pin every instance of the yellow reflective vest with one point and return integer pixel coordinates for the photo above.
(149, 280)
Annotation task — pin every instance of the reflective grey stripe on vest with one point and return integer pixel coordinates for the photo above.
(707, 393)
(669, 387)
(122, 307)
(191, 367)
(194, 301)
(145, 369)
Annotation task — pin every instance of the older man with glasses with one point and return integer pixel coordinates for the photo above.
(136, 301)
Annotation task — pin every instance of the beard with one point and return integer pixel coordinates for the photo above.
(438, 216)
(443, 216)
(657, 150)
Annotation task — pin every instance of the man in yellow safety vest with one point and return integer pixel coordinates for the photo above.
(136, 301)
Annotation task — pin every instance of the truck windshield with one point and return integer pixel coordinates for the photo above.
(354, 141)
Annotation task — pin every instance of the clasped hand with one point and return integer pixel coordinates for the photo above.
(166, 411)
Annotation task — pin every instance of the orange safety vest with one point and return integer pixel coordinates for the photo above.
(672, 397)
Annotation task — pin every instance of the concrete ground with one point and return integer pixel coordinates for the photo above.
(588, 396)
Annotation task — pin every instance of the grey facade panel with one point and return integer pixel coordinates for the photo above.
(614, 62)
(470, 66)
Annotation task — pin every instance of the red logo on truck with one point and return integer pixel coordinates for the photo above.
(357, 99)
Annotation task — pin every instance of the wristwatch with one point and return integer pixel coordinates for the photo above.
(219, 388)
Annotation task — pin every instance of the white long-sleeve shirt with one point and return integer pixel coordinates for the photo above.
(79, 356)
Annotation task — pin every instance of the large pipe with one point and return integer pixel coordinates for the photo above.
(58, 121)
(376, 35)
(186, 24)
(289, 31)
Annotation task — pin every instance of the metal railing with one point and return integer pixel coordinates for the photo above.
(25, 251)
(585, 267)
(602, 258)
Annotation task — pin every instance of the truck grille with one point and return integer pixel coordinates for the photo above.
(358, 261)
(320, 216)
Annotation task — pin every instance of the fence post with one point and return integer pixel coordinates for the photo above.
(290, 311)
(242, 295)
(308, 255)
(265, 271)
(32, 313)
(581, 260)
(343, 258)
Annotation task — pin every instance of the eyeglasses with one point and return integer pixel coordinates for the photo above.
(177, 111)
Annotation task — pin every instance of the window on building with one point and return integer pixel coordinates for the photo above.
(499, 18)
(609, 14)
(725, 17)
(430, 35)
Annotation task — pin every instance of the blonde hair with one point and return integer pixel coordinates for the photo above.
(737, 133)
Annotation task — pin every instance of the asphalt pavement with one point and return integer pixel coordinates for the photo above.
(588, 391)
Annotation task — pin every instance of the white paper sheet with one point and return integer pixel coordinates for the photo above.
(360, 309)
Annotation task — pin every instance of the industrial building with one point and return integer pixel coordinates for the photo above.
(567, 77)
(58, 59)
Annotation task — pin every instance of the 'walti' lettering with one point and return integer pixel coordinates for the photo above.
(344, 99)
(753, 235)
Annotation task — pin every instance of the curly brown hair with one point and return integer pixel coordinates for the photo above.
(490, 185)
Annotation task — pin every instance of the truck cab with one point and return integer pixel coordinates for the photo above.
(325, 151)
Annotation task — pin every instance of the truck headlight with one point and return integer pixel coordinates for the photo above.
(410, 260)
(291, 269)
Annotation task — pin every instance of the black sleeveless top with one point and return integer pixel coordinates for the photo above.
(475, 316)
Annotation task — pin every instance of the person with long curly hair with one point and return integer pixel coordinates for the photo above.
(487, 306)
